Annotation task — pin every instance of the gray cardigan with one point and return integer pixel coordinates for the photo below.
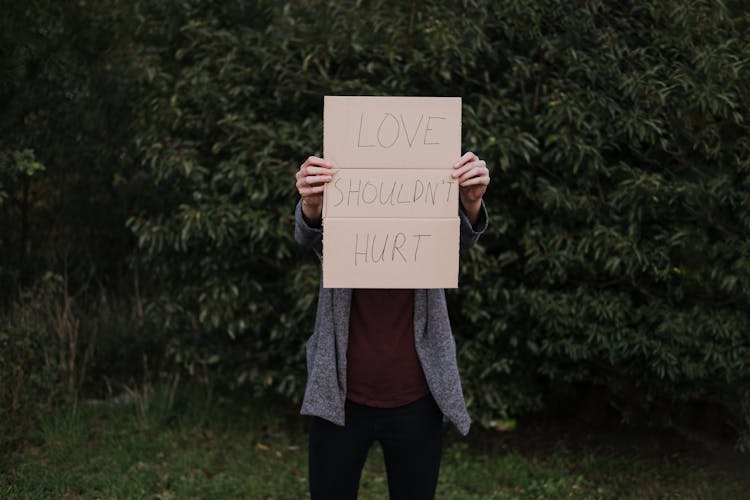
(325, 393)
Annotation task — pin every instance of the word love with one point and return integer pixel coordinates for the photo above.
(372, 248)
(353, 192)
(392, 130)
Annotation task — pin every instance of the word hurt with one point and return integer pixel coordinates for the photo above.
(372, 248)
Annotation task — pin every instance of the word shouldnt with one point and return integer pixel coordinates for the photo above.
(381, 193)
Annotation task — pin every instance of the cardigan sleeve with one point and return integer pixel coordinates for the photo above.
(470, 234)
(306, 234)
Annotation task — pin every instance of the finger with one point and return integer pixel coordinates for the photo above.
(474, 181)
(303, 184)
(311, 190)
(467, 157)
(314, 160)
(475, 172)
(317, 171)
(306, 182)
(460, 171)
(316, 179)
(470, 174)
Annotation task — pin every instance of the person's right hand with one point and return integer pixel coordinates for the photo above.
(311, 179)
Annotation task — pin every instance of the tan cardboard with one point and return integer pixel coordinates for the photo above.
(390, 253)
(390, 212)
(391, 132)
(406, 193)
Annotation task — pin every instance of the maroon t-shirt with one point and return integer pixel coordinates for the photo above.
(382, 368)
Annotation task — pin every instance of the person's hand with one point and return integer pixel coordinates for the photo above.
(473, 178)
(311, 179)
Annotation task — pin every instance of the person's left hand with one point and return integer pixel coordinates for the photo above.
(473, 178)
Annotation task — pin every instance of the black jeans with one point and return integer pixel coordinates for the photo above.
(411, 438)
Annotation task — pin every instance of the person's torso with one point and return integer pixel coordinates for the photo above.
(383, 368)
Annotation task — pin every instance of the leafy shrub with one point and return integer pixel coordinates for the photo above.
(55, 350)
(616, 134)
(40, 357)
(65, 143)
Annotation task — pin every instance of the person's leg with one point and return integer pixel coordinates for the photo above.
(337, 454)
(412, 438)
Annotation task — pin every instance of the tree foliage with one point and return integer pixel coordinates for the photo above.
(617, 138)
(65, 95)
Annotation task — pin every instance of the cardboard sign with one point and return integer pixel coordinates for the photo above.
(392, 132)
(390, 214)
(391, 253)
(408, 193)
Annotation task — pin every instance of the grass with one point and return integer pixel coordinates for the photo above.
(258, 450)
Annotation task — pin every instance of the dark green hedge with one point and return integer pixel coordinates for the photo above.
(66, 92)
(617, 136)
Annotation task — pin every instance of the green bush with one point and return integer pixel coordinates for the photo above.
(42, 356)
(617, 138)
(56, 351)
(28, 373)
(616, 134)
(65, 96)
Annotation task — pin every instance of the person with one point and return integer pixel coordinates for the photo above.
(381, 364)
